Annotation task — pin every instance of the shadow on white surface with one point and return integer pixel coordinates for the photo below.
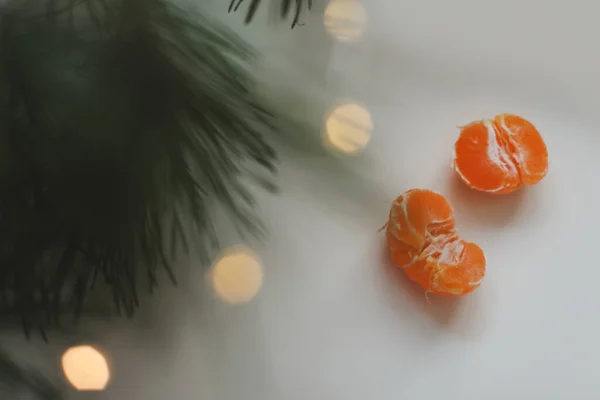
(488, 210)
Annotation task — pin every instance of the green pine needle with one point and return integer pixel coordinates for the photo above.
(286, 8)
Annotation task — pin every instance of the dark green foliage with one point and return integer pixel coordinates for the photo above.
(121, 119)
(287, 7)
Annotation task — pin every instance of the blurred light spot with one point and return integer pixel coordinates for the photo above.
(348, 128)
(237, 276)
(345, 19)
(85, 368)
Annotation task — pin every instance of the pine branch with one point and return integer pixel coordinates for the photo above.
(287, 6)
(120, 120)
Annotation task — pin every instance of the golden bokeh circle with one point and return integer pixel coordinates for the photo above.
(237, 275)
(348, 128)
(345, 19)
(86, 368)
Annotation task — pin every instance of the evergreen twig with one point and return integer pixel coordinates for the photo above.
(120, 119)
(286, 8)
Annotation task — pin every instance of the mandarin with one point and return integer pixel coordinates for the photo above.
(500, 155)
(423, 241)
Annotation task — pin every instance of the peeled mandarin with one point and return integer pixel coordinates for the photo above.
(500, 155)
(423, 242)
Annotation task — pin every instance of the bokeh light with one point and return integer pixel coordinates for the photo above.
(86, 368)
(237, 275)
(345, 19)
(348, 128)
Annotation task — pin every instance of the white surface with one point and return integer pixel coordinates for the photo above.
(332, 322)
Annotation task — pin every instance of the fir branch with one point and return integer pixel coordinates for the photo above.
(121, 119)
(286, 8)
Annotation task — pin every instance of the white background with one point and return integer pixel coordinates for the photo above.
(333, 320)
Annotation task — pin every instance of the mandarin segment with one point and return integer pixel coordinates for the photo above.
(411, 220)
(469, 269)
(423, 241)
(481, 160)
(527, 146)
(500, 155)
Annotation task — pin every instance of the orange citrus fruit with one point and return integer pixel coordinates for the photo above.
(423, 241)
(500, 155)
